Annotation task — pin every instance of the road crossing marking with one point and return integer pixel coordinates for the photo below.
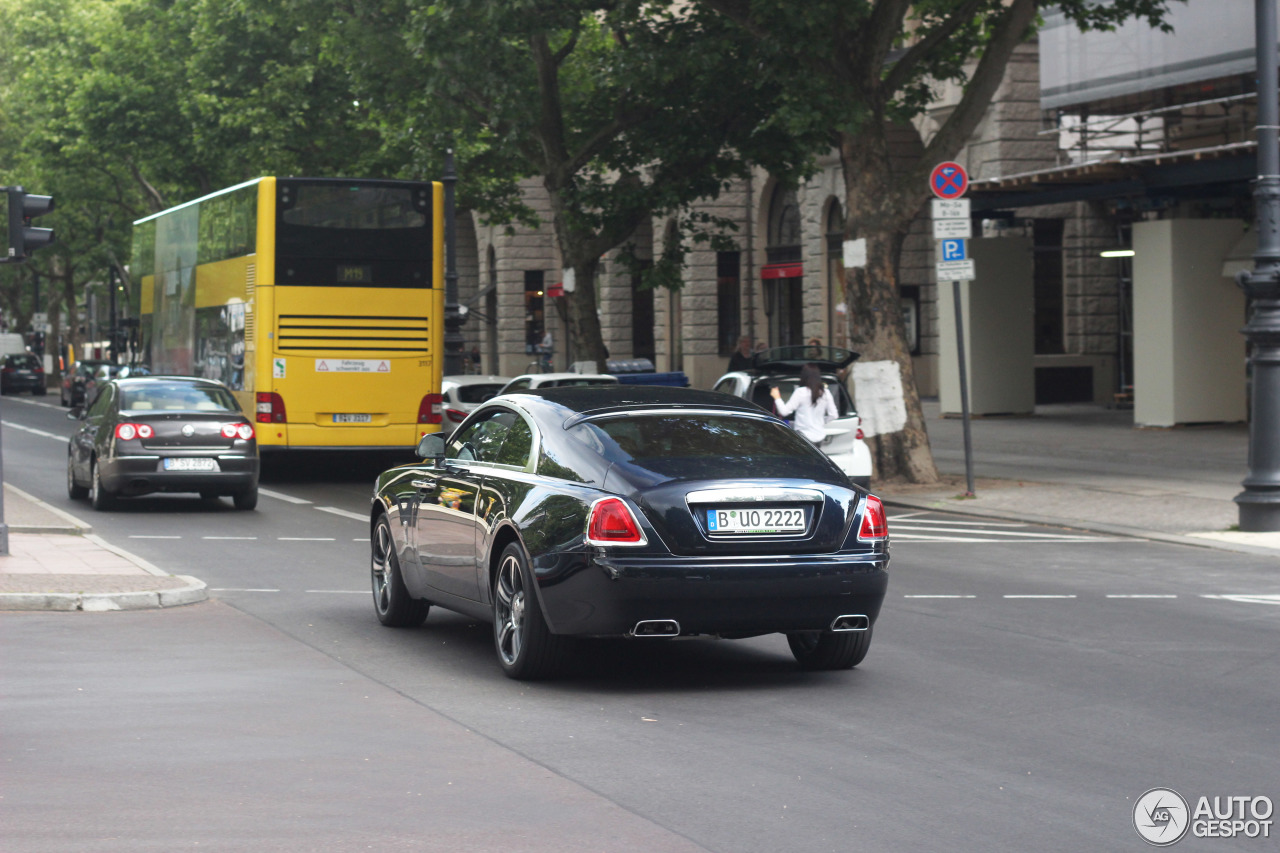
(234, 589)
(1039, 596)
(232, 538)
(305, 538)
(1140, 595)
(142, 536)
(939, 596)
(912, 528)
(340, 591)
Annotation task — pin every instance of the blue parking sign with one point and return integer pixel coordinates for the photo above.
(953, 250)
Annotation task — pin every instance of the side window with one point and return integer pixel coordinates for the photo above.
(103, 402)
(482, 440)
(726, 386)
(519, 385)
(518, 445)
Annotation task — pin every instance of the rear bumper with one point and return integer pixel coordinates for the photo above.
(600, 594)
(303, 436)
(144, 474)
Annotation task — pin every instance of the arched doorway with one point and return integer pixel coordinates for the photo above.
(784, 274)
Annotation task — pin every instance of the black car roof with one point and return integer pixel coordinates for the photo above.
(597, 399)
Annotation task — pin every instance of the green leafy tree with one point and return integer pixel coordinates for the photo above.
(861, 67)
(623, 110)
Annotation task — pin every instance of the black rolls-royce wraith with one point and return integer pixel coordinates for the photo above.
(637, 511)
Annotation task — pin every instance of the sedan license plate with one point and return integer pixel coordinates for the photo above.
(755, 520)
(353, 419)
(191, 464)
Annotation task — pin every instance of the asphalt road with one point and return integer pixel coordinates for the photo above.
(1025, 686)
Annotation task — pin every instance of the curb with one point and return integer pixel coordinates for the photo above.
(75, 527)
(195, 591)
(935, 505)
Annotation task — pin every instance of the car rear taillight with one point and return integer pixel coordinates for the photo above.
(859, 434)
(126, 432)
(270, 408)
(874, 523)
(455, 415)
(244, 431)
(612, 523)
(429, 409)
(145, 431)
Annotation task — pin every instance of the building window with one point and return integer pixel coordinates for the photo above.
(535, 321)
(1049, 306)
(642, 317)
(728, 300)
(784, 288)
(837, 310)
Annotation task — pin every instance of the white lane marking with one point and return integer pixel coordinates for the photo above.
(234, 589)
(361, 539)
(906, 515)
(341, 591)
(1141, 595)
(932, 530)
(1247, 599)
(35, 403)
(939, 596)
(1039, 596)
(345, 513)
(916, 537)
(305, 538)
(915, 521)
(280, 496)
(141, 536)
(233, 538)
(34, 431)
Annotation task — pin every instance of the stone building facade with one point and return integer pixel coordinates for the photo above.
(783, 282)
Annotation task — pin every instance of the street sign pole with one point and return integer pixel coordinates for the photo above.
(952, 228)
(964, 390)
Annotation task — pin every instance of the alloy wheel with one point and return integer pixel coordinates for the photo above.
(381, 570)
(509, 606)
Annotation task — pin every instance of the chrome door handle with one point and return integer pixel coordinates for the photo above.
(421, 484)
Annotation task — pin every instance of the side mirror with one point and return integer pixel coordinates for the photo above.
(431, 447)
(75, 413)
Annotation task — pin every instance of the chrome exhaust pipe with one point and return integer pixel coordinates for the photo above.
(853, 622)
(656, 628)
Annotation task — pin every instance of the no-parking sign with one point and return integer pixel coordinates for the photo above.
(948, 180)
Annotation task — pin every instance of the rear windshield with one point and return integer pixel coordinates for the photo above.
(176, 397)
(23, 362)
(787, 386)
(694, 447)
(578, 383)
(478, 393)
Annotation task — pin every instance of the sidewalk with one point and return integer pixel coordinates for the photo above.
(1087, 467)
(55, 562)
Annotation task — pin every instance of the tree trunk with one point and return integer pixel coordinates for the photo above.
(584, 316)
(882, 218)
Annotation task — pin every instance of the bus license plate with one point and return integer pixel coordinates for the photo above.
(191, 464)
(353, 419)
(762, 521)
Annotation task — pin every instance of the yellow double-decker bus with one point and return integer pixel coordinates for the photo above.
(318, 301)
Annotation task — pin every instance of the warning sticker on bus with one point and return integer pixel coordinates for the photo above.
(353, 365)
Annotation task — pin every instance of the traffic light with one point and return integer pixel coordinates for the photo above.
(23, 238)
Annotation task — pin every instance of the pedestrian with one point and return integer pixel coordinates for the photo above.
(475, 358)
(546, 349)
(815, 348)
(811, 402)
(741, 358)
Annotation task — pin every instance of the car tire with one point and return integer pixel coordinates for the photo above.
(391, 599)
(526, 648)
(247, 499)
(99, 498)
(75, 491)
(826, 650)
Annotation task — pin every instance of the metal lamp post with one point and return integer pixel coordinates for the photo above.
(1259, 503)
(454, 314)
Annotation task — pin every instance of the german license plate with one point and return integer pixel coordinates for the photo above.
(755, 520)
(191, 464)
(353, 419)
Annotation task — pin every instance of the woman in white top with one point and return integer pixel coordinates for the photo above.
(812, 403)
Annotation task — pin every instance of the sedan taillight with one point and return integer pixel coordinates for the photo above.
(875, 525)
(612, 523)
(455, 415)
(145, 431)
